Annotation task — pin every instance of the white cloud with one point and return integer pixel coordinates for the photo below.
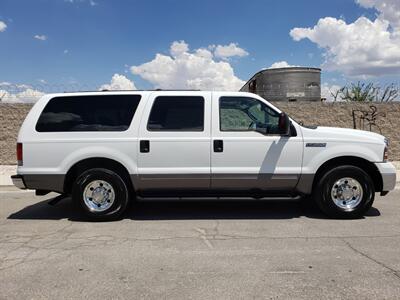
(329, 91)
(66, 51)
(388, 10)
(281, 64)
(28, 95)
(228, 51)
(91, 2)
(119, 82)
(3, 26)
(361, 49)
(185, 69)
(18, 93)
(13, 86)
(178, 48)
(40, 37)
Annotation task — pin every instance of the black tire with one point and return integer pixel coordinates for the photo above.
(325, 197)
(117, 187)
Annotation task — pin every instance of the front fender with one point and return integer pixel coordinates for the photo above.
(314, 157)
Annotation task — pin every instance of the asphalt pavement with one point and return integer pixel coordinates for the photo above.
(197, 250)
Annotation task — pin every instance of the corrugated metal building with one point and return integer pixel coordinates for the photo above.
(286, 84)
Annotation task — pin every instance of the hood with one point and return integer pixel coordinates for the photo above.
(343, 135)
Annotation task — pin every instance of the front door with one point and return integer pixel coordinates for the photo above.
(174, 142)
(248, 153)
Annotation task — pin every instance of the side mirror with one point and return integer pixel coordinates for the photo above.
(284, 124)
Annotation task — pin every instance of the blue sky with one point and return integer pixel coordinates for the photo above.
(86, 42)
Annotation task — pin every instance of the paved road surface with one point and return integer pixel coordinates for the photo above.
(220, 250)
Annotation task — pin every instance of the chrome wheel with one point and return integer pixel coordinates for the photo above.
(99, 195)
(347, 193)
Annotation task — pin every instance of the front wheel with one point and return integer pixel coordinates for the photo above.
(344, 192)
(101, 194)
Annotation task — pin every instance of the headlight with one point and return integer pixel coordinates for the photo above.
(386, 150)
(386, 154)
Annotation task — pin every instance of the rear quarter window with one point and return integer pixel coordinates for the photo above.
(88, 113)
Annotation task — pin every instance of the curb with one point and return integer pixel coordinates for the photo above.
(5, 174)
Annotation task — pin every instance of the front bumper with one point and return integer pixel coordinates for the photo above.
(388, 173)
(18, 181)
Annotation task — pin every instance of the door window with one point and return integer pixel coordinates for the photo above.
(177, 113)
(247, 114)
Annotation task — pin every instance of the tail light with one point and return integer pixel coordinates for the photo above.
(19, 154)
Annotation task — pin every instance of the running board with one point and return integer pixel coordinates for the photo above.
(294, 198)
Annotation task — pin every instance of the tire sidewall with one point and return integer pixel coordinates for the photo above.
(326, 183)
(120, 189)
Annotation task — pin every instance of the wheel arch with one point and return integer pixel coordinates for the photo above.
(365, 165)
(96, 162)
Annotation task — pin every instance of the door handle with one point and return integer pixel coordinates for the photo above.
(218, 146)
(144, 146)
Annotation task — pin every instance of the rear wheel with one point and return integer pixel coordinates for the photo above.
(101, 194)
(344, 192)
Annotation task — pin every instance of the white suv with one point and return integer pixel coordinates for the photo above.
(105, 148)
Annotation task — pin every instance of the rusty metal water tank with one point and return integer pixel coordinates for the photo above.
(286, 84)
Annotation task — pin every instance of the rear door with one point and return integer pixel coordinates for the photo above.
(174, 142)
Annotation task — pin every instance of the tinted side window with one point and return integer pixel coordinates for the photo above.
(177, 113)
(88, 113)
(247, 114)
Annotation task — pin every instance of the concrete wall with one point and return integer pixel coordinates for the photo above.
(11, 118)
(340, 115)
(326, 114)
